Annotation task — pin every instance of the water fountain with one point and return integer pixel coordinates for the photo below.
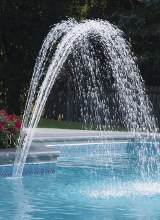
(98, 56)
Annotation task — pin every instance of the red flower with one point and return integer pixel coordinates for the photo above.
(18, 124)
(1, 126)
(14, 131)
(13, 117)
(6, 119)
(9, 128)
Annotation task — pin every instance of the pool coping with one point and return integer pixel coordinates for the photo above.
(40, 150)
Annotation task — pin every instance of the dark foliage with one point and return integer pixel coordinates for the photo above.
(24, 24)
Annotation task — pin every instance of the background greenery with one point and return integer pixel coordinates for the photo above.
(25, 23)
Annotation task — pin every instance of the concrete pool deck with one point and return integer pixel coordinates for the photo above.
(45, 137)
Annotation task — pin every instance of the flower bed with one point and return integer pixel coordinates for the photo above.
(9, 129)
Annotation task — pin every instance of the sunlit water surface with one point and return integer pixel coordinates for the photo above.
(86, 185)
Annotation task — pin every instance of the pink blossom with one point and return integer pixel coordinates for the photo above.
(3, 112)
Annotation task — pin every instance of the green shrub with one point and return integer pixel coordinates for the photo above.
(9, 129)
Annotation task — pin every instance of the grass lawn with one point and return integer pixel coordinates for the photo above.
(47, 123)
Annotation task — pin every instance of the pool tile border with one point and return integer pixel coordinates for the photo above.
(29, 169)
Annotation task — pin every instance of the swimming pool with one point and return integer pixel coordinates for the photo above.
(90, 181)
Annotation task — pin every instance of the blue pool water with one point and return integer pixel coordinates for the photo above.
(90, 182)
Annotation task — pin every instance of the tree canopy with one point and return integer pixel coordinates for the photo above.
(24, 24)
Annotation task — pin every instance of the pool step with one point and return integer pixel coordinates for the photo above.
(8, 156)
